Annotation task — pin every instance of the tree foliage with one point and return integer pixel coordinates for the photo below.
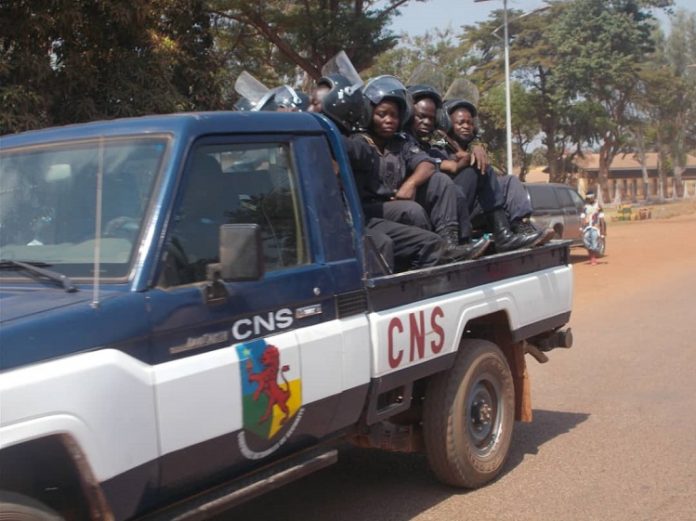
(307, 33)
(600, 46)
(79, 60)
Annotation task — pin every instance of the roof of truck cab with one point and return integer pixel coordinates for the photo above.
(193, 123)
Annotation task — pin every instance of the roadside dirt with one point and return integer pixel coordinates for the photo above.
(635, 250)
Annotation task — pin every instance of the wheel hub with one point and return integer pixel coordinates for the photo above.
(482, 414)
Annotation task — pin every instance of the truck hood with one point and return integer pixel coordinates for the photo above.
(16, 303)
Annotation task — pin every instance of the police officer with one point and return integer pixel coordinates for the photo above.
(402, 173)
(491, 197)
(412, 247)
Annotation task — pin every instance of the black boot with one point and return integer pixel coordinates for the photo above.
(525, 226)
(457, 252)
(505, 239)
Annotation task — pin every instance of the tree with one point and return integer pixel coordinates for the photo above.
(680, 55)
(533, 61)
(309, 33)
(79, 60)
(600, 44)
(525, 126)
(439, 47)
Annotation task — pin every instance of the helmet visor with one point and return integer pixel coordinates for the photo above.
(384, 86)
(341, 64)
(250, 88)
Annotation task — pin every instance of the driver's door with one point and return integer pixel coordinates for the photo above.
(245, 371)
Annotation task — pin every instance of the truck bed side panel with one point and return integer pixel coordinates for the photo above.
(420, 331)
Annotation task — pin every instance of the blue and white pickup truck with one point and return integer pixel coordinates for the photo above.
(189, 318)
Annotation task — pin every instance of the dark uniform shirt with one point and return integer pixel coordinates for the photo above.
(379, 175)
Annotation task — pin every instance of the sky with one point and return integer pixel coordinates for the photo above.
(418, 17)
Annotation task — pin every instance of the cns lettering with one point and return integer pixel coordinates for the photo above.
(415, 337)
(261, 324)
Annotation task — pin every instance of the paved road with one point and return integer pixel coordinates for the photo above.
(614, 431)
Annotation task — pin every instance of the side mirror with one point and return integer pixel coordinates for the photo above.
(241, 253)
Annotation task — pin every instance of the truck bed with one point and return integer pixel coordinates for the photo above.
(390, 291)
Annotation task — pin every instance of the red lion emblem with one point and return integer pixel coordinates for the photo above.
(267, 381)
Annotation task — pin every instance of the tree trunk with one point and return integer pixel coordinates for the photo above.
(643, 166)
(678, 179)
(605, 158)
(662, 175)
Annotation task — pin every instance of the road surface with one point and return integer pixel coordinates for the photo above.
(614, 430)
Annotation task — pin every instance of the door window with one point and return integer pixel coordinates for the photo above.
(577, 200)
(564, 198)
(542, 197)
(235, 184)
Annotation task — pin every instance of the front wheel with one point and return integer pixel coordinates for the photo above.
(468, 416)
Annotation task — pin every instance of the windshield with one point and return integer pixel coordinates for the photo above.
(49, 199)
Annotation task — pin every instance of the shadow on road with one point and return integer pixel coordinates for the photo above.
(371, 485)
(545, 426)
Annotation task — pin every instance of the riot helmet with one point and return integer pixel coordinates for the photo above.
(418, 92)
(243, 105)
(454, 104)
(343, 103)
(388, 88)
(288, 99)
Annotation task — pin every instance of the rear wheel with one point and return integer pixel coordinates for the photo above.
(468, 416)
(18, 507)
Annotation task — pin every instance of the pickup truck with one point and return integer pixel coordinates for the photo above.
(190, 317)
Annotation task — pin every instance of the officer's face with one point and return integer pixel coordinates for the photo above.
(424, 118)
(463, 124)
(315, 102)
(385, 119)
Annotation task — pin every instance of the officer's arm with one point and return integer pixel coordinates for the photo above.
(453, 167)
(423, 171)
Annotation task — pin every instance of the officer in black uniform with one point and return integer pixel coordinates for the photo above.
(400, 244)
(491, 197)
(400, 172)
(467, 163)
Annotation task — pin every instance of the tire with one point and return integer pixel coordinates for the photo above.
(17, 507)
(466, 443)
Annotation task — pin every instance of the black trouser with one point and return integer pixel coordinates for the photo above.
(411, 247)
(482, 193)
(441, 200)
(481, 188)
(438, 205)
(517, 205)
(404, 212)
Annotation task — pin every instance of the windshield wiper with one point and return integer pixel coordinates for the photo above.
(37, 268)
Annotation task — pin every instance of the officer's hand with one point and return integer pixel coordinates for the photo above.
(406, 191)
(479, 158)
(462, 155)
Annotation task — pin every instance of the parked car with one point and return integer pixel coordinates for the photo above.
(557, 206)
